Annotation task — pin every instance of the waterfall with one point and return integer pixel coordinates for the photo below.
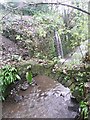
(58, 44)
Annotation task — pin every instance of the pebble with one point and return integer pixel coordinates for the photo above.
(24, 86)
(32, 106)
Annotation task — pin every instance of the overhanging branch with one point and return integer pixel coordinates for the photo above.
(84, 11)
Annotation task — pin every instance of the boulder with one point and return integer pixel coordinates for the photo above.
(47, 99)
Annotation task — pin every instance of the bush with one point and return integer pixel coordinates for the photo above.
(8, 75)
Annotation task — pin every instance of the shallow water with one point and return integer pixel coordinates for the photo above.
(47, 99)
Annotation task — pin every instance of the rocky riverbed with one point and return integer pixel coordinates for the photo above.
(47, 99)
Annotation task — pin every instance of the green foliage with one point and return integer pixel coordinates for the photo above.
(41, 23)
(40, 55)
(32, 10)
(71, 37)
(78, 79)
(75, 32)
(47, 22)
(84, 109)
(8, 75)
(29, 77)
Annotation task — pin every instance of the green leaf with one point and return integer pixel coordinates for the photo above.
(29, 77)
(18, 77)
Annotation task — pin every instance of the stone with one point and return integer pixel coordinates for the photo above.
(24, 86)
(49, 99)
(18, 98)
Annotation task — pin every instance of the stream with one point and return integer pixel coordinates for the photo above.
(47, 99)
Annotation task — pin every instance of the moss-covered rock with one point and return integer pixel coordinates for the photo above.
(38, 67)
(72, 78)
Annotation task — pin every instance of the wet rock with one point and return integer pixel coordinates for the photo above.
(33, 83)
(17, 98)
(32, 106)
(73, 99)
(49, 99)
(74, 108)
(14, 97)
(24, 86)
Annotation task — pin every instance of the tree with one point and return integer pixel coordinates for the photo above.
(74, 7)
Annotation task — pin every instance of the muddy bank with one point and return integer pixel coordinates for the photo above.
(11, 52)
(47, 99)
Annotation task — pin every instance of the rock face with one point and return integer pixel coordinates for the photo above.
(47, 99)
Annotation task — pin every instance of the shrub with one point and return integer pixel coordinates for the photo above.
(8, 75)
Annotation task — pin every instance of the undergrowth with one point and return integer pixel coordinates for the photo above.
(8, 75)
(78, 80)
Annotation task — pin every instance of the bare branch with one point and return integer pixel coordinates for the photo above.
(84, 11)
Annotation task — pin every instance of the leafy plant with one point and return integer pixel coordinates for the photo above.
(81, 78)
(8, 75)
(77, 79)
(84, 109)
(29, 77)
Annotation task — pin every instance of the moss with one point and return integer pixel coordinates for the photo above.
(36, 67)
(72, 79)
